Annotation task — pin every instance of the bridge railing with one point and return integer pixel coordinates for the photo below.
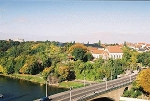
(109, 89)
(92, 91)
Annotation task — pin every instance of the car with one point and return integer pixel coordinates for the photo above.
(44, 99)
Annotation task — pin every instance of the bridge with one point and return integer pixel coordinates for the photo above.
(94, 91)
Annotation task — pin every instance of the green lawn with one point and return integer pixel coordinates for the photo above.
(39, 79)
(32, 78)
(69, 84)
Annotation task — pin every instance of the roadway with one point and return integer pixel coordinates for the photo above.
(88, 91)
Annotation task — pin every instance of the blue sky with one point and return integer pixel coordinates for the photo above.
(80, 21)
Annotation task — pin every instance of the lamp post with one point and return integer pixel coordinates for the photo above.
(105, 79)
(111, 74)
(84, 79)
(70, 93)
(106, 83)
(46, 88)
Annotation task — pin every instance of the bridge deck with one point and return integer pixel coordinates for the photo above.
(92, 90)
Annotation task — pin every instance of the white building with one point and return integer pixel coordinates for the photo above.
(114, 52)
(19, 40)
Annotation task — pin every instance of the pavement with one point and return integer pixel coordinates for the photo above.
(131, 99)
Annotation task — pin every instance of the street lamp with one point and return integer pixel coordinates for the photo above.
(105, 79)
(70, 93)
(84, 79)
(46, 88)
(111, 74)
(106, 83)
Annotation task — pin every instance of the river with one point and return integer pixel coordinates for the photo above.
(19, 90)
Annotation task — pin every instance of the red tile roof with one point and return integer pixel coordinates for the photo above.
(97, 51)
(114, 49)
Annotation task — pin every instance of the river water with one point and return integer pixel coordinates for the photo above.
(19, 90)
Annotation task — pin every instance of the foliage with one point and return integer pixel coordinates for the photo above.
(10, 65)
(66, 73)
(143, 80)
(78, 45)
(38, 57)
(2, 70)
(30, 66)
(88, 57)
(78, 54)
(46, 72)
(144, 58)
(134, 92)
(129, 59)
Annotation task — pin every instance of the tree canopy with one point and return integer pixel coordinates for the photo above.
(143, 80)
(46, 57)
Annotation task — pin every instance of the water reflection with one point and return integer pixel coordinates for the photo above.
(19, 90)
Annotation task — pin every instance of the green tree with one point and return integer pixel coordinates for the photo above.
(99, 42)
(65, 73)
(126, 59)
(46, 72)
(78, 54)
(88, 57)
(10, 66)
(144, 58)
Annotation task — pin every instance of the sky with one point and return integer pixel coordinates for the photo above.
(75, 20)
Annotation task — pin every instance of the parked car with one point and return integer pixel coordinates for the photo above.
(44, 99)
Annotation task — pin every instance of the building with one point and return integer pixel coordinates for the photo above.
(95, 49)
(114, 52)
(19, 40)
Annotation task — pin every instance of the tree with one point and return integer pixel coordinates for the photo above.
(78, 45)
(133, 60)
(78, 54)
(30, 66)
(126, 59)
(10, 66)
(99, 42)
(46, 72)
(65, 73)
(2, 69)
(143, 80)
(144, 58)
(125, 43)
(88, 57)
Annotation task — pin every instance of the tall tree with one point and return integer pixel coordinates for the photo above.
(78, 54)
(99, 42)
(143, 80)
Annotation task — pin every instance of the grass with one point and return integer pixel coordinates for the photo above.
(69, 84)
(32, 78)
(39, 79)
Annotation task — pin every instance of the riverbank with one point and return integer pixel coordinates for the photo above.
(25, 77)
(21, 90)
(41, 81)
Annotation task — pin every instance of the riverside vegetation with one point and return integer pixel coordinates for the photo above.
(59, 62)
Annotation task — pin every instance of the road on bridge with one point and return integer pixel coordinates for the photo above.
(84, 92)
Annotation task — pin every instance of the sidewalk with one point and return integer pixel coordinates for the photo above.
(131, 99)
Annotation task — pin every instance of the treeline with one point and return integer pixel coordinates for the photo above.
(67, 61)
